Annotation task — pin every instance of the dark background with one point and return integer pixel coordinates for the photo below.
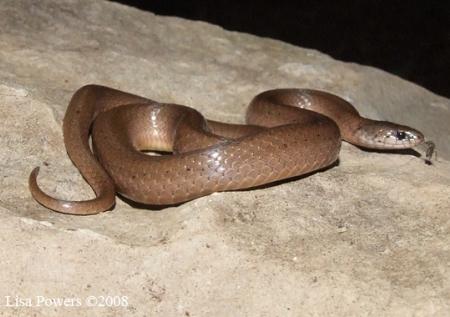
(408, 38)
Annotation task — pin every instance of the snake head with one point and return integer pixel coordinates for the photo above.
(388, 135)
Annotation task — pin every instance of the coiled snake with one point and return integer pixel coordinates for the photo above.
(289, 132)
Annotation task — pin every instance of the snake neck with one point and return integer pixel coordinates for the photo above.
(350, 127)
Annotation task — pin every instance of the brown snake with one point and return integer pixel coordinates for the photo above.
(289, 132)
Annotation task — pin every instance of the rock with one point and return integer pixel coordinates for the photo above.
(370, 235)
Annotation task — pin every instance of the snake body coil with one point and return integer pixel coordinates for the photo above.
(289, 132)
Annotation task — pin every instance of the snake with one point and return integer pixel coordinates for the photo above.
(166, 154)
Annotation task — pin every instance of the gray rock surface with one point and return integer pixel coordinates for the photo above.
(367, 237)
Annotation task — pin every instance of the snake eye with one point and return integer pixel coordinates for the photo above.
(401, 135)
